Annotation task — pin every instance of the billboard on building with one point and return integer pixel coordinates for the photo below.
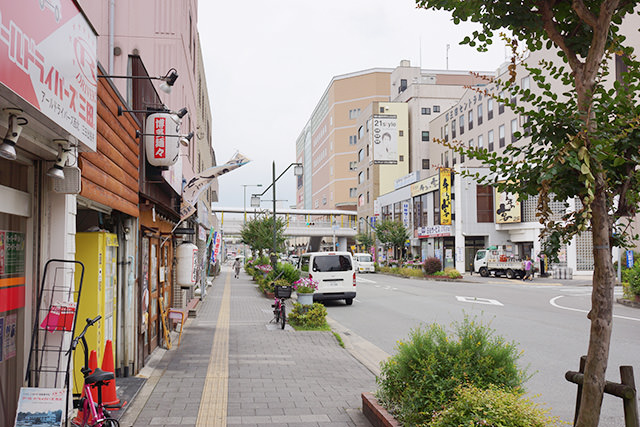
(385, 139)
(48, 58)
(508, 209)
(427, 185)
(445, 196)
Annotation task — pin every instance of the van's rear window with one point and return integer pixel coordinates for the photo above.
(332, 263)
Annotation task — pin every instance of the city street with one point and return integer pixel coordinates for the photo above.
(546, 318)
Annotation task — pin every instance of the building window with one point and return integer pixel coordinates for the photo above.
(403, 85)
(425, 163)
(436, 207)
(489, 108)
(446, 132)
(454, 160)
(367, 173)
(514, 129)
(400, 133)
(425, 135)
(353, 114)
(436, 108)
(471, 143)
(490, 140)
(353, 192)
(446, 159)
(360, 132)
(479, 114)
(501, 136)
(368, 197)
(470, 124)
(353, 166)
(501, 104)
(361, 155)
(401, 158)
(453, 128)
(426, 111)
(461, 120)
(484, 203)
(361, 178)
(353, 139)
(480, 142)
(525, 83)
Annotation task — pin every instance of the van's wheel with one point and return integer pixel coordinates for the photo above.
(348, 301)
(511, 274)
(484, 272)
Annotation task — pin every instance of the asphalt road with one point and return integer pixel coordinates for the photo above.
(545, 318)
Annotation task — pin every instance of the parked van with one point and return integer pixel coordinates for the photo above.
(334, 272)
(364, 263)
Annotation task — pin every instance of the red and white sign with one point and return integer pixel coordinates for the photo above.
(162, 139)
(434, 231)
(48, 58)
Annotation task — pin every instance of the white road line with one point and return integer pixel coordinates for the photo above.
(363, 280)
(552, 301)
(477, 300)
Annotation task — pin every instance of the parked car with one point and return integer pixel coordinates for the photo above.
(334, 272)
(364, 263)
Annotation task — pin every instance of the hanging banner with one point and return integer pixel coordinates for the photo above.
(385, 139)
(202, 181)
(508, 209)
(445, 196)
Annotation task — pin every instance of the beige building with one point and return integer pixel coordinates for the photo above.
(327, 144)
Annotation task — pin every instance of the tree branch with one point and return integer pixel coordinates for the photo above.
(546, 12)
(599, 40)
(584, 13)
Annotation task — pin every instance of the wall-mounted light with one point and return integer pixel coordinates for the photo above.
(168, 80)
(57, 170)
(14, 127)
(185, 140)
(180, 113)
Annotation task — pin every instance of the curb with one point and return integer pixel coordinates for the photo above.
(628, 303)
(376, 414)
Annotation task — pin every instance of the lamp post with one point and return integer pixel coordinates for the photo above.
(244, 221)
(255, 199)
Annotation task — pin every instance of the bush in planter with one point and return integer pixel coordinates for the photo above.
(289, 272)
(633, 278)
(449, 272)
(493, 406)
(432, 265)
(422, 376)
(308, 316)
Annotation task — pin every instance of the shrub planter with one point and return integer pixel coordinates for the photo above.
(269, 294)
(376, 414)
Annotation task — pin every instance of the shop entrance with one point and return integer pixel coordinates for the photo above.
(472, 244)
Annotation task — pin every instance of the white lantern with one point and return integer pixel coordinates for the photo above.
(162, 139)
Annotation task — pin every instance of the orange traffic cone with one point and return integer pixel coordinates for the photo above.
(93, 364)
(109, 392)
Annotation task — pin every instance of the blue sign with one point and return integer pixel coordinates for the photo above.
(629, 259)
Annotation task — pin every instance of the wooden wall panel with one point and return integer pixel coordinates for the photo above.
(110, 175)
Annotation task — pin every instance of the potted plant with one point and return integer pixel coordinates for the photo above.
(305, 288)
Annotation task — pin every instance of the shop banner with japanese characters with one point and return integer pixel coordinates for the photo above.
(48, 58)
(445, 196)
(508, 209)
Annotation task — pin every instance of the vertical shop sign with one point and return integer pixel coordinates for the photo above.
(445, 196)
(405, 214)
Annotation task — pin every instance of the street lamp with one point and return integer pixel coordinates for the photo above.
(255, 201)
(244, 221)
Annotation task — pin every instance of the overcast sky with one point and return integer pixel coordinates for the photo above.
(268, 63)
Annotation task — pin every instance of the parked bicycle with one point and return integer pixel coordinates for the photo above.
(92, 413)
(279, 306)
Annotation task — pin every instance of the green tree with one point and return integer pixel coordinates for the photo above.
(366, 240)
(392, 233)
(257, 233)
(584, 142)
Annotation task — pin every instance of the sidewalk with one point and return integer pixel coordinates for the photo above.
(234, 368)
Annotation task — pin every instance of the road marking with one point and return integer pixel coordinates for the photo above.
(213, 406)
(477, 300)
(553, 302)
(363, 280)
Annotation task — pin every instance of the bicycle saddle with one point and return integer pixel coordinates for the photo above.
(98, 376)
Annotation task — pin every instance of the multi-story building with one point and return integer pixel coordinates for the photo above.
(327, 144)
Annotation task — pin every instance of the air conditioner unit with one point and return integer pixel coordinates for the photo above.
(71, 184)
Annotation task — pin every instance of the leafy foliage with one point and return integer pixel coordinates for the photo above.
(422, 376)
(366, 240)
(392, 233)
(431, 265)
(492, 406)
(257, 233)
(305, 316)
(289, 272)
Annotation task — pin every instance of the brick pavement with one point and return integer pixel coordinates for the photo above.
(274, 377)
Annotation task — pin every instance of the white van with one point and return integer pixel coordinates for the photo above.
(364, 263)
(334, 273)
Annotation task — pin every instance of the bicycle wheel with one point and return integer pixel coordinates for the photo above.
(283, 315)
(110, 422)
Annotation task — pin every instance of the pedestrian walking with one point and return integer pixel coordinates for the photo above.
(528, 270)
(236, 267)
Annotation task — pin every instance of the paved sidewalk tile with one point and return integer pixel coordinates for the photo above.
(275, 377)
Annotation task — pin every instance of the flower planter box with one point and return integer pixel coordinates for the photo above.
(269, 294)
(376, 414)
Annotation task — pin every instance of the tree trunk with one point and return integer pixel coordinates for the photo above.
(601, 311)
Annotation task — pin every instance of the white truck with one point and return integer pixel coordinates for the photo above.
(494, 261)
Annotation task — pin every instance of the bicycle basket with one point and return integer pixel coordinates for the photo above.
(282, 291)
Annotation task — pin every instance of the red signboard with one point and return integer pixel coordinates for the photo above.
(159, 138)
(48, 58)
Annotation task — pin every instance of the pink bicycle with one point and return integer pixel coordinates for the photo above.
(92, 413)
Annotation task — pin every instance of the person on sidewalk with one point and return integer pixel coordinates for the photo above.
(528, 269)
(236, 267)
